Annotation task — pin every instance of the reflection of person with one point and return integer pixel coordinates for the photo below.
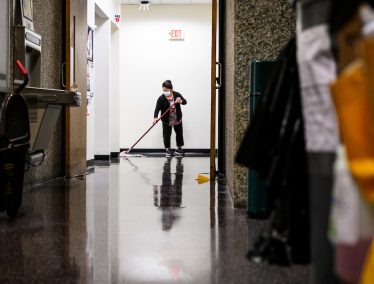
(173, 118)
(169, 197)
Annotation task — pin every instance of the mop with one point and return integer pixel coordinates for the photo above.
(127, 153)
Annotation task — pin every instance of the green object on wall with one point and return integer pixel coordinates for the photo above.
(257, 195)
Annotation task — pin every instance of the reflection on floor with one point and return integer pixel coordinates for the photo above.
(144, 220)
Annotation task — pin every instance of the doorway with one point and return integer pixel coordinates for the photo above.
(149, 55)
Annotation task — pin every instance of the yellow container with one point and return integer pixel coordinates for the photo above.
(352, 101)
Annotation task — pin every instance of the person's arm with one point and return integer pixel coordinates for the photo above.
(183, 101)
(157, 110)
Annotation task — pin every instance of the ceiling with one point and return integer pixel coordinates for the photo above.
(169, 2)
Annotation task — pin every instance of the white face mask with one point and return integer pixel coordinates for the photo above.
(166, 93)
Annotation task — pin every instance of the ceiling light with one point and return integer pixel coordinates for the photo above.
(144, 5)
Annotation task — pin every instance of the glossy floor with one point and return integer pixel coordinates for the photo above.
(143, 220)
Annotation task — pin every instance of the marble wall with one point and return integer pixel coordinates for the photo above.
(229, 70)
(255, 30)
(48, 22)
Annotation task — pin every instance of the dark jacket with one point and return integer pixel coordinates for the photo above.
(163, 105)
(274, 146)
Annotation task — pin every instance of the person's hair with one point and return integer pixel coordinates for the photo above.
(167, 84)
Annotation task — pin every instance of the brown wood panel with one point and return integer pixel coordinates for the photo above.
(213, 93)
(76, 118)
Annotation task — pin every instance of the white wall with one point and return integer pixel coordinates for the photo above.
(114, 117)
(102, 55)
(103, 110)
(110, 8)
(91, 106)
(148, 58)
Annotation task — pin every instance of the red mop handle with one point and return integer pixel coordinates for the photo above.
(128, 151)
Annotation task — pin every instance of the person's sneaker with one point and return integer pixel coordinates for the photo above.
(168, 153)
(179, 152)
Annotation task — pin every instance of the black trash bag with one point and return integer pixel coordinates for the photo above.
(274, 146)
(258, 147)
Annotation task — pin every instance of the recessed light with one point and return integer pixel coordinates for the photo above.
(144, 5)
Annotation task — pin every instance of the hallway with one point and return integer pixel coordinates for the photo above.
(143, 220)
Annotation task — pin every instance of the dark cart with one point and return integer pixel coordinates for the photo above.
(14, 145)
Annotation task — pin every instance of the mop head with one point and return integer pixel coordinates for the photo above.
(125, 154)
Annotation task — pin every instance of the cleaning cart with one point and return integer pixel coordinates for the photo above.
(14, 145)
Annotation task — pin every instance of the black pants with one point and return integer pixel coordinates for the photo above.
(178, 129)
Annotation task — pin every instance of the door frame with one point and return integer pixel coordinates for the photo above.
(218, 28)
(221, 90)
(75, 32)
(213, 99)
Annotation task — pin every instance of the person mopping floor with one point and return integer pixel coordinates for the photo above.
(173, 119)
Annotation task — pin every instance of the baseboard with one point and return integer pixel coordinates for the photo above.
(90, 163)
(114, 155)
(162, 150)
(90, 166)
(199, 152)
(102, 157)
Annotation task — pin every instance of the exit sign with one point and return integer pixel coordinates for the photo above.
(176, 35)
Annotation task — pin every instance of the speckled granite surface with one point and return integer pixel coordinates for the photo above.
(261, 29)
(229, 91)
(53, 165)
(48, 23)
